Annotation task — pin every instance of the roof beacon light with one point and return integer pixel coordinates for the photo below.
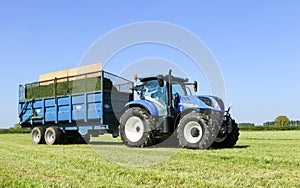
(135, 76)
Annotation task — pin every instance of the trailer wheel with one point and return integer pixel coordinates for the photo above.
(37, 135)
(227, 140)
(195, 132)
(54, 135)
(136, 126)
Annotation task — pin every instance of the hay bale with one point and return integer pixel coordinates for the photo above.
(72, 72)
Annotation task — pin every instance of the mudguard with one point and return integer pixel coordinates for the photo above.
(144, 104)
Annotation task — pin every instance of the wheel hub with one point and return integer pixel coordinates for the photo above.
(134, 129)
(50, 137)
(193, 132)
(36, 136)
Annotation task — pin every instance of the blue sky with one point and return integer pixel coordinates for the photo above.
(256, 44)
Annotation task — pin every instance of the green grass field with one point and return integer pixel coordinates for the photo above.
(260, 159)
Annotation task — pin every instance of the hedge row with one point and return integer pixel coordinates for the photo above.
(268, 128)
(13, 131)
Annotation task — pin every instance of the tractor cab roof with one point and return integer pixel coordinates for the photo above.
(166, 78)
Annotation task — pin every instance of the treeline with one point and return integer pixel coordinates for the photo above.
(271, 125)
(15, 130)
(246, 124)
(291, 123)
(268, 128)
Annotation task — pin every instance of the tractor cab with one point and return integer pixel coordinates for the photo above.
(164, 92)
(154, 89)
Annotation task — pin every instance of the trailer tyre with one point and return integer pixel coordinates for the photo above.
(54, 135)
(229, 140)
(136, 126)
(195, 132)
(37, 135)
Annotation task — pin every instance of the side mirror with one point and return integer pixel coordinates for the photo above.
(160, 80)
(195, 86)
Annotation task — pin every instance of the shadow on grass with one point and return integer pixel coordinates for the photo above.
(170, 142)
(161, 145)
(234, 147)
(105, 143)
(241, 147)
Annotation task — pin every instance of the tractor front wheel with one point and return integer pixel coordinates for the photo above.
(227, 140)
(136, 126)
(195, 132)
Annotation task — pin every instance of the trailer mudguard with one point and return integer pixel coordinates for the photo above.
(144, 104)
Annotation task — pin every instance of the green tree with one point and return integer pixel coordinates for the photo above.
(246, 124)
(268, 123)
(282, 121)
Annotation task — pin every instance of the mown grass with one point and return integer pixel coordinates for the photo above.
(260, 159)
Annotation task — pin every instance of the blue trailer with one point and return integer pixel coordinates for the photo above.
(71, 109)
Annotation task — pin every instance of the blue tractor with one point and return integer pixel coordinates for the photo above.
(166, 108)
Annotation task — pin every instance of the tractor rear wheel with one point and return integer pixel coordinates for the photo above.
(37, 135)
(195, 132)
(136, 126)
(54, 135)
(227, 140)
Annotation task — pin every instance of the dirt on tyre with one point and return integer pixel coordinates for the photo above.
(228, 140)
(136, 126)
(37, 135)
(54, 135)
(195, 131)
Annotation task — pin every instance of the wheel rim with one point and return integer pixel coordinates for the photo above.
(193, 132)
(50, 136)
(36, 136)
(134, 129)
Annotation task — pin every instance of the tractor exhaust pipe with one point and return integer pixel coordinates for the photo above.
(169, 86)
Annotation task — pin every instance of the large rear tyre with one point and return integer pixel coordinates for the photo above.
(136, 126)
(37, 135)
(54, 135)
(227, 140)
(195, 132)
